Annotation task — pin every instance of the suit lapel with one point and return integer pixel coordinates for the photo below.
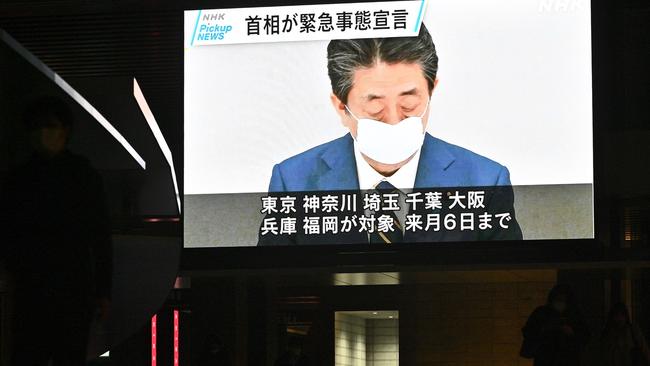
(435, 158)
(340, 166)
(432, 172)
(340, 173)
(340, 169)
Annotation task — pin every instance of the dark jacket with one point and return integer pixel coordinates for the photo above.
(548, 343)
(59, 235)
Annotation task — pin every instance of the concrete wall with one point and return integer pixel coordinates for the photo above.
(468, 324)
(350, 340)
(382, 342)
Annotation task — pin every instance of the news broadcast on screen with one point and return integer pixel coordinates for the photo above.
(388, 123)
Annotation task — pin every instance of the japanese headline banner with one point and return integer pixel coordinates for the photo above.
(303, 23)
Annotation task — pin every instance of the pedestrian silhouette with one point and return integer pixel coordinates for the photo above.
(555, 333)
(58, 251)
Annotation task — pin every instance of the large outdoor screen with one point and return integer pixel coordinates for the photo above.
(388, 122)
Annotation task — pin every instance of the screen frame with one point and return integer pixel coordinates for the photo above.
(527, 253)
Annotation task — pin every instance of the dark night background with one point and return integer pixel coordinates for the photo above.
(100, 46)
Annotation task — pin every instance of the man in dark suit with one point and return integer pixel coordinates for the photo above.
(381, 89)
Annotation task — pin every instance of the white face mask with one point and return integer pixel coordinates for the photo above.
(389, 144)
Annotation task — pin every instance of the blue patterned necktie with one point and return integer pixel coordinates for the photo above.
(390, 236)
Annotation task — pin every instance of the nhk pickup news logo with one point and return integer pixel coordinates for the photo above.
(213, 27)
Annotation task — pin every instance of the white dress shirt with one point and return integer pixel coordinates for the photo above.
(403, 178)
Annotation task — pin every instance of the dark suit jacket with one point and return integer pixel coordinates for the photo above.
(332, 167)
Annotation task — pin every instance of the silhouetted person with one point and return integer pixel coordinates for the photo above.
(555, 333)
(214, 352)
(621, 343)
(59, 249)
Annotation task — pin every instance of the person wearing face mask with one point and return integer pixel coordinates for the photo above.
(555, 334)
(621, 342)
(381, 90)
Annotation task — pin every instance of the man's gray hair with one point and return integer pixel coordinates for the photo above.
(345, 56)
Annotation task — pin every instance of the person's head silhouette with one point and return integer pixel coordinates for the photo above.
(560, 298)
(49, 121)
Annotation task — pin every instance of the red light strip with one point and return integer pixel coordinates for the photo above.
(153, 340)
(175, 337)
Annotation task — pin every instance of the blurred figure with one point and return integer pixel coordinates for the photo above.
(59, 250)
(214, 352)
(621, 343)
(555, 333)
